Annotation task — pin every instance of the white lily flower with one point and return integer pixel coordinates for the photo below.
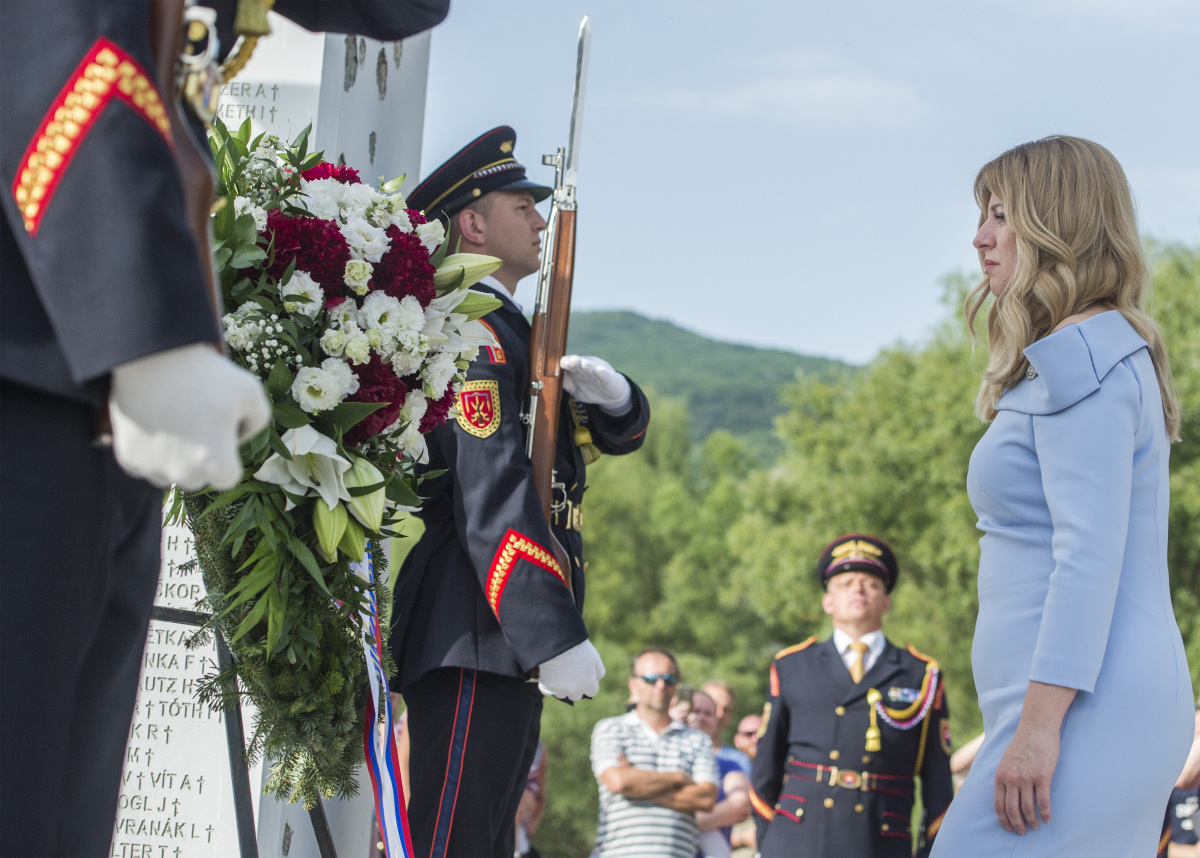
(315, 465)
(476, 334)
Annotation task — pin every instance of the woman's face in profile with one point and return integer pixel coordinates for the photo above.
(997, 246)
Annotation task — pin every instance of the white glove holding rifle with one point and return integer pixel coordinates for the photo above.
(594, 381)
(178, 417)
(572, 675)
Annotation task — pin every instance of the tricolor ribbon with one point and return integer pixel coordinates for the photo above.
(379, 743)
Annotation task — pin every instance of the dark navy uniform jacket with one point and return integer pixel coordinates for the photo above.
(481, 588)
(108, 273)
(815, 732)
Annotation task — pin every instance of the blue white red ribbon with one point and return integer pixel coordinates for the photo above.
(380, 750)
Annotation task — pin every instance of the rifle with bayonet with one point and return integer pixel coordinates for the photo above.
(552, 311)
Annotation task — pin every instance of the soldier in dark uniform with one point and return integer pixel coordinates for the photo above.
(848, 724)
(106, 311)
(481, 603)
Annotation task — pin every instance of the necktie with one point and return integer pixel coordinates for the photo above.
(856, 666)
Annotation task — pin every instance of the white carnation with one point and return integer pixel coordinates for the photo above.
(412, 442)
(323, 197)
(358, 275)
(333, 342)
(415, 406)
(366, 241)
(340, 314)
(437, 373)
(358, 200)
(379, 310)
(316, 389)
(431, 234)
(404, 363)
(344, 376)
(302, 284)
(358, 348)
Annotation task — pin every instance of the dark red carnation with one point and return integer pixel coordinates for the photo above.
(317, 246)
(435, 413)
(376, 383)
(415, 217)
(405, 268)
(325, 170)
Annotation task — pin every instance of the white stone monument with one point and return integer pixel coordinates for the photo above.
(366, 102)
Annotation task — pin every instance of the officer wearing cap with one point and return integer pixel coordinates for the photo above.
(483, 613)
(848, 723)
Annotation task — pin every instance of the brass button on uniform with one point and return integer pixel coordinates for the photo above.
(866, 758)
(829, 803)
(884, 826)
(834, 754)
(800, 812)
(858, 808)
(841, 710)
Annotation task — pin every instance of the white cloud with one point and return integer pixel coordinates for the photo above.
(805, 87)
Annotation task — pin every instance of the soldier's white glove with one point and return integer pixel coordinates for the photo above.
(594, 381)
(179, 415)
(572, 675)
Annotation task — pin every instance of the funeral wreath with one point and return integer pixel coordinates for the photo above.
(361, 324)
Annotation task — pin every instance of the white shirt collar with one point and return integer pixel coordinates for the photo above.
(874, 641)
(633, 717)
(503, 292)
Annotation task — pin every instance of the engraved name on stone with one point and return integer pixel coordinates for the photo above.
(176, 797)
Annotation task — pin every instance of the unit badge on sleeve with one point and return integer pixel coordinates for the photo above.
(479, 407)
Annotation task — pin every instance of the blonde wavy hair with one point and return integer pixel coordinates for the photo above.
(1068, 203)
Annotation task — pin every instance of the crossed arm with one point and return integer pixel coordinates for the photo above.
(674, 790)
(730, 810)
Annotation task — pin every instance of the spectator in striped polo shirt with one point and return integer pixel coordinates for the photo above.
(654, 772)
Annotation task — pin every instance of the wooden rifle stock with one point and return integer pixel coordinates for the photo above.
(546, 347)
(195, 171)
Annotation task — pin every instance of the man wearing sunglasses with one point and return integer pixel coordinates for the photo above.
(654, 772)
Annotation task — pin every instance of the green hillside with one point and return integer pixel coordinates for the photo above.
(726, 386)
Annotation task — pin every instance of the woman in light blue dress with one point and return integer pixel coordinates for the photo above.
(1079, 665)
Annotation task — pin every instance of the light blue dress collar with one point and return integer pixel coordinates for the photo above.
(1071, 363)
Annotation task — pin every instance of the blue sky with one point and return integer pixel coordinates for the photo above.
(798, 174)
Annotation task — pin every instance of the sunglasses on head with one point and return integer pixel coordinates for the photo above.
(651, 678)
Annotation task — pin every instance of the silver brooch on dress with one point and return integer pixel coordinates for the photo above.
(1030, 372)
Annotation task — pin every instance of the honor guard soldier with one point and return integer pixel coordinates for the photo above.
(482, 607)
(848, 724)
(108, 311)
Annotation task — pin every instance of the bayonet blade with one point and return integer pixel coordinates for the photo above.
(581, 68)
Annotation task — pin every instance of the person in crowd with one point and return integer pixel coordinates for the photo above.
(1076, 646)
(1181, 829)
(533, 803)
(482, 603)
(725, 697)
(733, 789)
(746, 740)
(681, 703)
(654, 773)
(848, 723)
(746, 737)
(112, 381)
(962, 760)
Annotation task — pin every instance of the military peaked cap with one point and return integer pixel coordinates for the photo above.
(858, 552)
(484, 165)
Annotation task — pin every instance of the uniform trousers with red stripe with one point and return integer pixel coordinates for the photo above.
(473, 737)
